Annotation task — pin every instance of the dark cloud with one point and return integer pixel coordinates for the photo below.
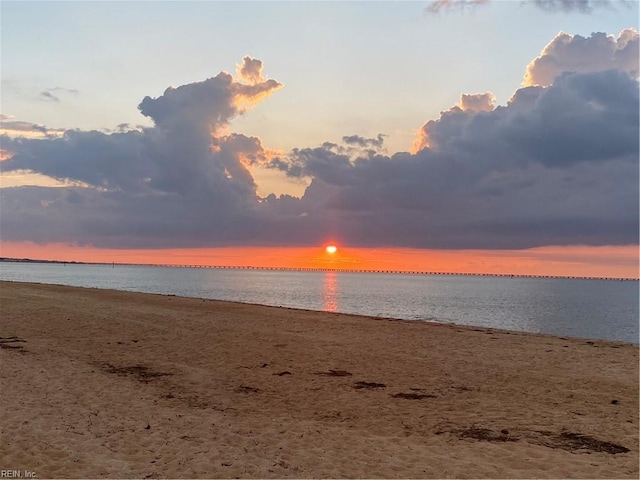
(582, 6)
(115, 161)
(557, 165)
(581, 117)
(362, 142)
(205, 105)
(178, 182)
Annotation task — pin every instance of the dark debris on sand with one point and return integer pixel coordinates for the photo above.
(8, 343)
(247, 389)
(576, 441)
(368, 385)
(485, 434)
(334, 373)
(412, 395)
(570, 441)
(138, 371)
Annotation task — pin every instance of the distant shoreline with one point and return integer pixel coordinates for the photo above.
(311, 269)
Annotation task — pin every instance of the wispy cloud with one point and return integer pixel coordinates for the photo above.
(581, 6)
(47, 95)
(53, 94)
(553, 6)
(16, 128)
(439, 6)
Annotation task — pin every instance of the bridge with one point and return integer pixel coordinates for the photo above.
(321, 269)
(383, 272)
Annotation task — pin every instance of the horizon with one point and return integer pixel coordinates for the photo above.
(319, 269)
(479, 136)
(317, 259)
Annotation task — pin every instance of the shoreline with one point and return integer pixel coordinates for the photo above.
(114, 384)
(358, 315)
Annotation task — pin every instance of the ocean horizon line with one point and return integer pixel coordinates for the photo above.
(323, 269)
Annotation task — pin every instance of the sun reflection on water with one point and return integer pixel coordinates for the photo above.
(330, 292)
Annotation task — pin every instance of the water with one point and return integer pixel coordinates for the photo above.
(567, 307)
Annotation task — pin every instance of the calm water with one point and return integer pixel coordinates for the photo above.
(578, 308)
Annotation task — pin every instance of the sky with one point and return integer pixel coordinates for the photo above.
(477, 135)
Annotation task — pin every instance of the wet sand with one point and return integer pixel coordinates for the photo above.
(98, 383)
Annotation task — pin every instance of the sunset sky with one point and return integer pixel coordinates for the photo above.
(463, 136)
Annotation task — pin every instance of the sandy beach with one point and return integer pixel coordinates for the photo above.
(107, 384)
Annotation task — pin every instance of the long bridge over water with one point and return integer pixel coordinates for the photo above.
(385, 272)
(321, 269)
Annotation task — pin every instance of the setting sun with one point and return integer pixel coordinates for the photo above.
(331, 249)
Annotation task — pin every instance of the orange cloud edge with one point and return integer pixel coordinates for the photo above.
(560, 261)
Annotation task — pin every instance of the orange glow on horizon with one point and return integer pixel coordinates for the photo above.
(607, 261)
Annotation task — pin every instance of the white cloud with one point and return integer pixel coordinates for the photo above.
(574, 53)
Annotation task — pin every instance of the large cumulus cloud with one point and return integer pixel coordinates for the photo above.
(181, 181)
(556, 165)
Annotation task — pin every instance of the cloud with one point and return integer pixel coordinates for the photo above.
(567, 6)
(556, 165)
(573, 53)
(71, 91)
(250, 70)
(438, 6)
(17, 128)
(208, 104)
(362, 142)
(175, 182)
(552, 6)
(479, 102)
(47, 95)
(470, 103)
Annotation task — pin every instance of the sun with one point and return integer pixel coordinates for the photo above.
(331, 249)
